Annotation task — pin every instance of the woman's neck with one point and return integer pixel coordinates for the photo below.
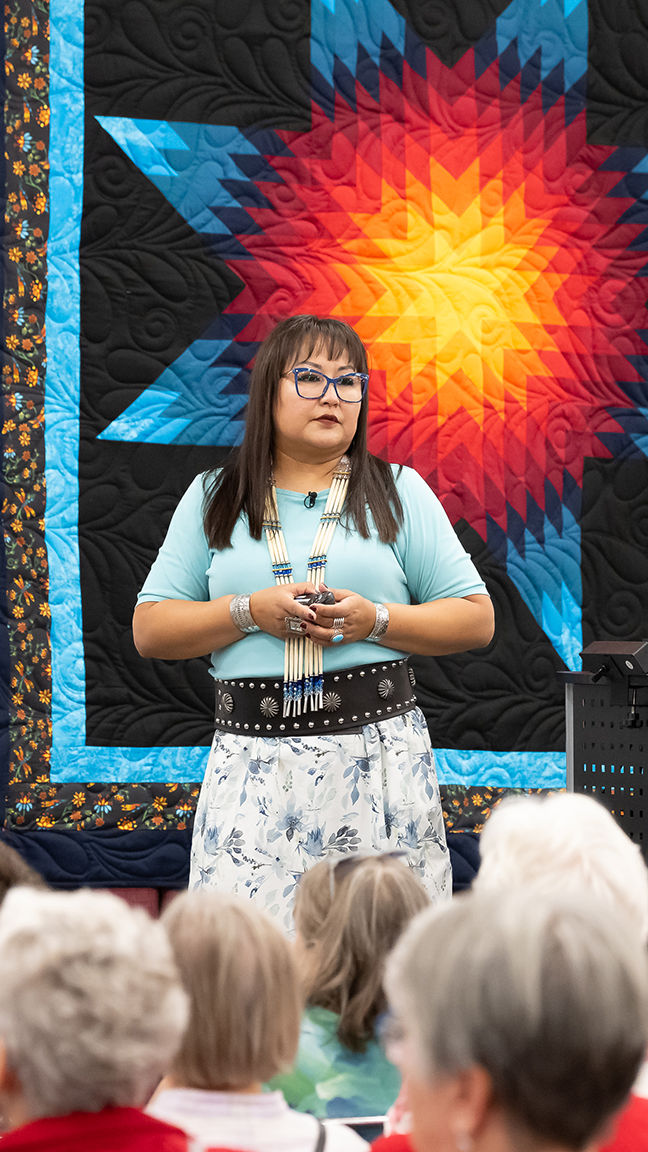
(171, 1081)
(303, 475)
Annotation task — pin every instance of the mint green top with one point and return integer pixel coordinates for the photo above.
(329, 1080)
(426, 562)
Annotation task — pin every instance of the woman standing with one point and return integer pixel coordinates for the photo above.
(319, 747)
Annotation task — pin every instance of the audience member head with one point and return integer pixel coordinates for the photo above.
(524, 1021)
(348, 915)
(91, 1007)
(564, 842)
(14, 870)
(245, 1000)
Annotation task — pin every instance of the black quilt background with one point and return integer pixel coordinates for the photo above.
(149, 287)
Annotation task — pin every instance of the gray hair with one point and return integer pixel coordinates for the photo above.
(91, 1008)
(565, 841)
(549, 995)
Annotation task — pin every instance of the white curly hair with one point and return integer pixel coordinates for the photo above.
(91, 1007)
(564, 842)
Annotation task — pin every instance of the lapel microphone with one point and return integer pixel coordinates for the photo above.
(309, 501)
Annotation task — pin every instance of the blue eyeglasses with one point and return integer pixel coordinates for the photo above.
(311, 384)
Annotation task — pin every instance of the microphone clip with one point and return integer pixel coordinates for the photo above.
(310, 500)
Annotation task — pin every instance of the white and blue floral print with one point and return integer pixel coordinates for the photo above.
(270, 808)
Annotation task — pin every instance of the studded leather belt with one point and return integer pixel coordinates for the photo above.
(352, 697)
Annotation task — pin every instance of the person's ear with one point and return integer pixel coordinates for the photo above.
(7, 1075)
(9, 1083)
(607, 1132)
(472, 1106)
(452, 1112)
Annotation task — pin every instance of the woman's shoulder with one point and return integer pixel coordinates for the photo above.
(322, 1016)
(190, 504)
(411, 485)
(201, 485)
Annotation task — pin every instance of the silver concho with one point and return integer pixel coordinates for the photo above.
(227, 702)
(386, 689)
(332, 701)
(269, 706)
(412, 677)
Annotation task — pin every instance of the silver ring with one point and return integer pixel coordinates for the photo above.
(293, 623)
(338, 623)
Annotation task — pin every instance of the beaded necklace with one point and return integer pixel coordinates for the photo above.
(303, 658)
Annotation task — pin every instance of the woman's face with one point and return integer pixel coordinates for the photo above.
(314, 430)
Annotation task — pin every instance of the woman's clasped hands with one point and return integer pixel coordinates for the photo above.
(352, 617)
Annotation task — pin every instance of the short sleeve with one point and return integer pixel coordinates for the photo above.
(435, 563)
(180, 570)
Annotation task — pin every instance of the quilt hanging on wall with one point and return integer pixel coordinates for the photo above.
(467, 185)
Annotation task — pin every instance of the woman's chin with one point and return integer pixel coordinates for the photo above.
(330, 434)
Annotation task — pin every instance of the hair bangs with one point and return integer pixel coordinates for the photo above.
(332, 338)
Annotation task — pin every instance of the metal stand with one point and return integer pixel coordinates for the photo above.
(607, 732)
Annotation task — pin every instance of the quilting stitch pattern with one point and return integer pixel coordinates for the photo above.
(129, 806)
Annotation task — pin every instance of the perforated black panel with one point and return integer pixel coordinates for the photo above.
(608, 758)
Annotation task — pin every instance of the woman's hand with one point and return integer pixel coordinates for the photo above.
(181, 629)
(436, 628)
(359, 618)
(271, 606)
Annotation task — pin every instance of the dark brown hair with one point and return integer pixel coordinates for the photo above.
(241, 484)
(348, 925)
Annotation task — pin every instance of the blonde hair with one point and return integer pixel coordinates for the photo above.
(243, 988)
(351, 921)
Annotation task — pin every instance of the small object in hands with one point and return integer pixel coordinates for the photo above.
(338, 634)
(293, 623)
(309, 598)
(381, 624)
(241, 616)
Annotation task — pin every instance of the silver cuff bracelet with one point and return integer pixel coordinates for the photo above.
(241, 616)
(381, 625)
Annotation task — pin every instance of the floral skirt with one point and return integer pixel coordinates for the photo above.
(270, 808)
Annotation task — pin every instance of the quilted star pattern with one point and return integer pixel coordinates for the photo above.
(488, 256)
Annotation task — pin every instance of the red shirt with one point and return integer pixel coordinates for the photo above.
(111, 1130)
(398, 1142)
(630, 1135)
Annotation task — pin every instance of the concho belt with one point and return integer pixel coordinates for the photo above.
(352, 697)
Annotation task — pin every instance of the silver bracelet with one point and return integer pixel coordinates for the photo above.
(241, 616)
(381, 625)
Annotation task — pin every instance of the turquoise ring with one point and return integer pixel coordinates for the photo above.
(338, 635)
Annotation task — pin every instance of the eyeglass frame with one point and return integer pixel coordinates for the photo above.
(364, 377)
(347, 864)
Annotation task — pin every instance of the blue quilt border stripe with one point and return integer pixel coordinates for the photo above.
(63, 380)
(454, 766)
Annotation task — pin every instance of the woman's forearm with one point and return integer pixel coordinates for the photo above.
(180, 629)
(440, 627)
